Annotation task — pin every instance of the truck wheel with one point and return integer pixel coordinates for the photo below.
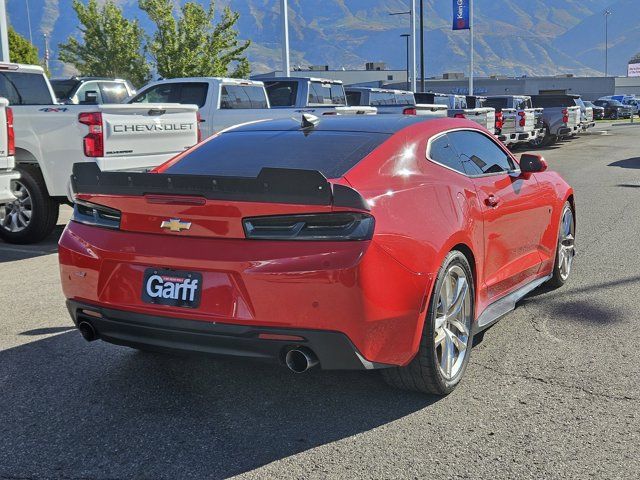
(545, 141)
(34, 214)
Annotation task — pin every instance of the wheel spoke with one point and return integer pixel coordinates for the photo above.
(440, 321)
(446, 362)
(458, 325)
(462, 288)
(440, 337)
(459, 343)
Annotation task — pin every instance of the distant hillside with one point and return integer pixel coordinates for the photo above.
(536, 37)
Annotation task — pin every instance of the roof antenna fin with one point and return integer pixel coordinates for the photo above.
(309, 121)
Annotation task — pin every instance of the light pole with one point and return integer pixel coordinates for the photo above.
(412, 26)
(422, 45)
(284, 14)
(606, 42)
(407, 36)
(4, 35)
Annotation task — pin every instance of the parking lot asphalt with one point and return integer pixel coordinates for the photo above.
(553, 391)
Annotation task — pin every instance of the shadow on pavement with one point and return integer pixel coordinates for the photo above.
(633, 163)
(69, 409)
(11, 252)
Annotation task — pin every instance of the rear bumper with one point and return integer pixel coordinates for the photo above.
(333, 349)
(564, 131)
(247, 286)
(5, 185)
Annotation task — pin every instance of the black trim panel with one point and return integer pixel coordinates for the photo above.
(276, 185)
(333, 349)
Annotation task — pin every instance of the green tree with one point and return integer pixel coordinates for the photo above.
(191, 44)
(110, 45)
(22, 50)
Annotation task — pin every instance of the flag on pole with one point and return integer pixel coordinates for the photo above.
(461, 15)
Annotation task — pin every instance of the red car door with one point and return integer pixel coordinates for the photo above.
(515, 214)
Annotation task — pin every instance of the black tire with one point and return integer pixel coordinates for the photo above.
(423, 373)
(44, 209)
(558, 279)
(546, 141)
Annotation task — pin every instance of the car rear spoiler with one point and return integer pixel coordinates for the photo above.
(274, 185)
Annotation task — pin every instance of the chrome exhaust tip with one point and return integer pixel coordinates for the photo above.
(87, 331)
(299, 360)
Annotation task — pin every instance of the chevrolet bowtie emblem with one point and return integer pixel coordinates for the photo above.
(175, 225)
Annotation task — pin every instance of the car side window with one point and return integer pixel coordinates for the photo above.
(194, 93)
(479, 154)
(234, 97)
(441, 151)
(162, 93)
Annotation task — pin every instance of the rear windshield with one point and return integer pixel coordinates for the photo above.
(63, 88)
(24, 88)
(522, 103)
(427, 98)
(496, 103)
(326, 94)
(244, 154)
(390, 98)
(550, 101)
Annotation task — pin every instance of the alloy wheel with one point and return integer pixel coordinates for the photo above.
(15, 216)
(566, 245)
(453, 322)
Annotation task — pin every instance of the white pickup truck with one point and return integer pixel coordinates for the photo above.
(225, 102)
(458, 108)
(516, 119)
(389, 101)
(7, 161)
(50, 138)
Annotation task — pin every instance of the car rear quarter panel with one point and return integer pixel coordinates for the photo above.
(422, 209)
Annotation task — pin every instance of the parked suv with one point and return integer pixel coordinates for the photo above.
(614, 109)
(91, 90)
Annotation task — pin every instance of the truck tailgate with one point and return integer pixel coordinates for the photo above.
(484, 116)
(509, 120)
(431, 110)
(148, 129)
(529, 115)
(574, 117)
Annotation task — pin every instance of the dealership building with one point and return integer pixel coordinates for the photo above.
(376, 75)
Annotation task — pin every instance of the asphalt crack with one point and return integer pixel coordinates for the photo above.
(554, 383)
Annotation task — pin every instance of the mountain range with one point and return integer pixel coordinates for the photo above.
(513, 37)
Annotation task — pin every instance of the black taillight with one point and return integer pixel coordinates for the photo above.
(312, 227)
(96, 215)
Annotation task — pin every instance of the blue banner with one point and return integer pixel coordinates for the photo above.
(461, 15)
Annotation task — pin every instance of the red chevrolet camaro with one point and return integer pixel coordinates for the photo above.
(349, 242)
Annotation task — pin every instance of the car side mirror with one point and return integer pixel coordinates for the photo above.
(532, 163)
